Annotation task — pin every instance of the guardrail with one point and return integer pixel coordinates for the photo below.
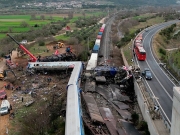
(163, 66)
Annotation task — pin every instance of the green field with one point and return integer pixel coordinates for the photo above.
(13, 23)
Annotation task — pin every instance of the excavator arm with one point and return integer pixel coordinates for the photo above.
(6, 72)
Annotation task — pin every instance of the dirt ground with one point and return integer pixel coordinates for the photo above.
(4, 120)
(61, 50)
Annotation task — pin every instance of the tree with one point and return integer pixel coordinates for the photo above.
(42, 17)
(33, 17)
(50, 17)
(70, 15)
(84, 15)
(24, 24)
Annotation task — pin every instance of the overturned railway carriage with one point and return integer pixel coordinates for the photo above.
(59, 57)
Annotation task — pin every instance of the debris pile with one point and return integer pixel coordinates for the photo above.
(114, 97)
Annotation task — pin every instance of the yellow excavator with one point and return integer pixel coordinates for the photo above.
(58, 45)
(1, 75)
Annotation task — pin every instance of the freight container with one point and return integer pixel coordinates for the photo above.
(100, 33)
(94, 56)
(102, 30)
(95, 49)
(99, 36)
(91, 65)
(103, 26)
(97, 42)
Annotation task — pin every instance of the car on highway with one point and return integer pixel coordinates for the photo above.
(3, 94)
(147, 74)
(146, 30)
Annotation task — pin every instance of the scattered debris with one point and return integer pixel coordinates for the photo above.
(92, 108)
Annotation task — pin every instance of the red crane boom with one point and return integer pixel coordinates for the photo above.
(33, 58)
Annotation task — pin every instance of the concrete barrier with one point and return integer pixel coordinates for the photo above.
(156, 127)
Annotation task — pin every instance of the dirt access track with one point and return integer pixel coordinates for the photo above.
(4, 120)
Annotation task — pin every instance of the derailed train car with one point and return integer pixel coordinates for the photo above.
(59, 57)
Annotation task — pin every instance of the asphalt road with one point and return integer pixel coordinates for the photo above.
(161, 86)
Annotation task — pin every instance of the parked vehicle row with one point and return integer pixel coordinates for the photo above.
(92, 63)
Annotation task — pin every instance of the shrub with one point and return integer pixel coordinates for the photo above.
(162, 51)
(144, 127)
(135, 118)
(41, 43)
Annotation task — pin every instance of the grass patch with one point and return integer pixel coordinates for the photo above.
(128, 52)
(2, 35)
(39, 50)
(72, 25)
(62, 37)
(149, 22)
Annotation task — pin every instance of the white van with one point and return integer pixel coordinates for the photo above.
(5, 107)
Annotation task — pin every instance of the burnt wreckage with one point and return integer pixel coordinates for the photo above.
(121, 76)
(60, 57)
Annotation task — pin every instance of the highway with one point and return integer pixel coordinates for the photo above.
(161, 86)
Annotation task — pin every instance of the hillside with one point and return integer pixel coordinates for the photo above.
(121, 2)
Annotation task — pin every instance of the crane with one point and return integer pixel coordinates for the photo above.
(33, 58)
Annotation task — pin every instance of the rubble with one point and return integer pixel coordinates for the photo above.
(114, 99)
(92, 108)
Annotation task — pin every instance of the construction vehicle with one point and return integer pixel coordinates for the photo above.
(68, 56)
(4, 73)
(58, 45)
(10, 64)
(1, 75)
(32, 57)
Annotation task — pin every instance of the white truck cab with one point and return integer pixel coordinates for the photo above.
(5, 107)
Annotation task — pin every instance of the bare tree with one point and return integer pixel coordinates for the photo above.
(70, 15)
(42, 17)
(33, 17)
(50, 17)
(84, 14)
